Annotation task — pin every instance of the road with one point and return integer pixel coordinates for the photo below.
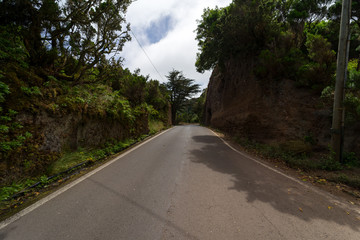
(186, 184)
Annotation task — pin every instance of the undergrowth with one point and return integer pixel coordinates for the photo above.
(299, 155)
(352, 180)
(70, 159)
(155, 126)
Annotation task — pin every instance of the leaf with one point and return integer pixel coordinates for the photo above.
(321, 180)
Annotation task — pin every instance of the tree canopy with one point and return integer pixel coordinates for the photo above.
(242, 27)
(70, 35)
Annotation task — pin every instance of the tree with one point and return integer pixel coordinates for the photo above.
(79, 34)
(180, 89)
(199, 108)
(303, 13)
(244, 27)
(335, 15)
(193, 110)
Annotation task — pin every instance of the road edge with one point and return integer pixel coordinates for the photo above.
(330, 197)
(63, 189)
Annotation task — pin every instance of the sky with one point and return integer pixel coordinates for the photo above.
(165, 30)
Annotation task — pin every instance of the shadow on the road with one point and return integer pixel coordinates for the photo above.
(166, 222)
(4, 234)
(265, 185)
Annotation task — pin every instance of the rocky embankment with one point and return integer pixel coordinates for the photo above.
(76, 130)
(270, 111)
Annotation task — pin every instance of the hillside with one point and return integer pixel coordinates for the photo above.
(63, 90)
(272, 85)
(277, 113)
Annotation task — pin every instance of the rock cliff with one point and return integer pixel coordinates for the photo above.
(269, 111)
(76, 130)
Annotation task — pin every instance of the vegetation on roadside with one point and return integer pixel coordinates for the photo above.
(193, 110)
(59, 59)
(60, 170)
(299, 155)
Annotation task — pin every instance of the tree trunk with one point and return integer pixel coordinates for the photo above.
(173, 115)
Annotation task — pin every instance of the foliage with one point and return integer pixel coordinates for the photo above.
(58, 97)
(283, 37)
(11, 136)
(352, 93)
(8, 191)
(72, 34)
(351, 180)
(244, 27)
(319, 71)
(193, 110)
(4, 89)
(353, 81)
(302, 11)
(57, 58)
(31, 90)
(295, 154)
(12, 47)
(180, 89)
(70, 159)
(329, 163)
(187, 113)
(155, 126)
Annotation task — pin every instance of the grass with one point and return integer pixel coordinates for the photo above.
(70, 159)
(294, 153)
(8, 191)
(156, 126)
(349, 179)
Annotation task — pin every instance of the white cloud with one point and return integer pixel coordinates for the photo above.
(178, 48)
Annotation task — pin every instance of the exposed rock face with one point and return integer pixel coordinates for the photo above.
(76, 130)
(268, 111)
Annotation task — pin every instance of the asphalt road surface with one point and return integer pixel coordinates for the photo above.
(186, 184)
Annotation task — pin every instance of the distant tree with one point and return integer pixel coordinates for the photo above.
(193, 110)
(180, 89)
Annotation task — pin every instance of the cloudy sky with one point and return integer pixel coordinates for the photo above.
(165, 29)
